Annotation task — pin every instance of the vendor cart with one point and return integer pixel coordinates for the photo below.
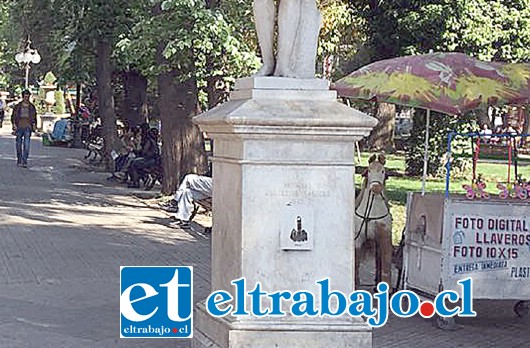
(450, 237)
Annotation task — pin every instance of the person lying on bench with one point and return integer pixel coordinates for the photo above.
(193, 188)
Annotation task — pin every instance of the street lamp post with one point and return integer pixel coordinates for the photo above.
(29, 55)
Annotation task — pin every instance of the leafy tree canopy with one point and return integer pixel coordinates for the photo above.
(184, 26)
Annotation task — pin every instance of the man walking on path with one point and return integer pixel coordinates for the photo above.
(2, 111)
(24, 121)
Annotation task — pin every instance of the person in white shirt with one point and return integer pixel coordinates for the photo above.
(486, 131)
(194, 187)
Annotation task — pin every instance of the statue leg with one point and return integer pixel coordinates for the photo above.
(305, 47)
(288, 22)
(264, 17)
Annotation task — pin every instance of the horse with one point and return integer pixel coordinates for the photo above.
(373, 222)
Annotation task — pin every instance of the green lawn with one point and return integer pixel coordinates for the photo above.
(398, 186)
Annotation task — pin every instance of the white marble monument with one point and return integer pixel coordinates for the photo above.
(283, 190)
(283, 208)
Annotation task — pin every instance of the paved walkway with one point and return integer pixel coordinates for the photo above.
(65, 232)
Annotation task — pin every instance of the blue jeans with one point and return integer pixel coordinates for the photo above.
(22, 145)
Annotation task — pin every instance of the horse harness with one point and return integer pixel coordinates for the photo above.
(366, 217)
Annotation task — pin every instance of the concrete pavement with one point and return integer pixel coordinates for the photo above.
(65, 231)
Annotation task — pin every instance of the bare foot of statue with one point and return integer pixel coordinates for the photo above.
(284, 73)
(265, 70)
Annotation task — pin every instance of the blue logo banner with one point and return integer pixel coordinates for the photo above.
(156, 302)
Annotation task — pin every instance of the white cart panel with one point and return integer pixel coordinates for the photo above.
(490, 242)
(423, 243)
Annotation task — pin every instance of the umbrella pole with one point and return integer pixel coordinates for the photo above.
(426, 154)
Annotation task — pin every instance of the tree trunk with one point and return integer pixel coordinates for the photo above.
(212, 3)
(382, 136)
(106, 99)
(135, 98)
(182, 142)
(77, 97)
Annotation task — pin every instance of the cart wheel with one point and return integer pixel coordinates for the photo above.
(521, 308)
(444, 323)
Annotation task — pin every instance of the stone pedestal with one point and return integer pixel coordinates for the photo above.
(49, 96)
(283, 159)
(46, 122)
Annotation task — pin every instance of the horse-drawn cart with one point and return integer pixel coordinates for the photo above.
(479, 235)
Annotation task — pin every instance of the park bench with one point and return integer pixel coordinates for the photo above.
(95, 145)
(494, 150)
(152, 175)
(205, 204)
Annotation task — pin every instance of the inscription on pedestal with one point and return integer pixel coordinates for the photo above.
(299, 190)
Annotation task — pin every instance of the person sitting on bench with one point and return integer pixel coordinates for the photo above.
(193, 188)
(148, 156)
(129, 145)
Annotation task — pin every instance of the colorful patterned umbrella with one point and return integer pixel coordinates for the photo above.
(452, 83)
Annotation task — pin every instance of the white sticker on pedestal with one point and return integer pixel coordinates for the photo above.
(297, 226)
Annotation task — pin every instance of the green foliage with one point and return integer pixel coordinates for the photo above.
(380, 26)
(71, 28)
(197, 41)
(487, 29)
(491, 30)
(17, 90)
(422, 28)
(40, 105)
(340, 34)
(34, 20)
(10, 73)
(60, 105)
(49, 79)
(440, 127)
